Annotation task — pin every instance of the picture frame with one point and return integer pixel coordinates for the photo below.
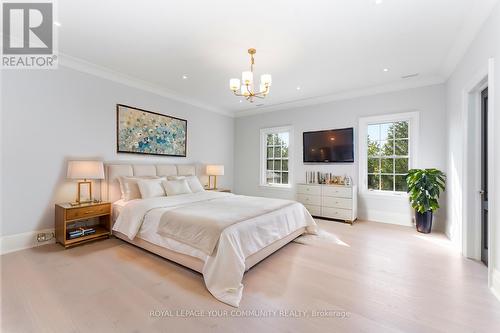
(140, 131)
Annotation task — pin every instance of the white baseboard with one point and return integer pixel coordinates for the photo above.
(495, 283)
(26, 240)
(386, 217)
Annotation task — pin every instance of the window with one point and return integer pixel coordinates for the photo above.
(275, 156)
(388, 149)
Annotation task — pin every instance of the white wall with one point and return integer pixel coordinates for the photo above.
(50, 116)
(430, 101)
(486, 45)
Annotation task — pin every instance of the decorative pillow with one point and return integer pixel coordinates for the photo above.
(176, 177)
(129, 188)
(151, 188)
(193, 182)
(176, 187)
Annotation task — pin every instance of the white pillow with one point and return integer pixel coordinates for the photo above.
(151, 188)
(176, 187)
(193, 182)
(176, 177)
(129, 188)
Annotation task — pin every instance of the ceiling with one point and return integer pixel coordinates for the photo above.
(327, 48)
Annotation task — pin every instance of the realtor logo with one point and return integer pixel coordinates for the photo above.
(28, 35)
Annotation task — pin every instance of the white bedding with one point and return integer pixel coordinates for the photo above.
(201, 224)
(223, 270)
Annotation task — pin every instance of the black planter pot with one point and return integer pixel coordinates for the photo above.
(424, 221)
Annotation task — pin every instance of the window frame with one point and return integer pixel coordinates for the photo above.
(263, 156)
(413, 132)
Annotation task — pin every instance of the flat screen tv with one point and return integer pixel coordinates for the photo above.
(330, 146)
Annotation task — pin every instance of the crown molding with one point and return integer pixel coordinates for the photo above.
(350, 94)
(109, 74)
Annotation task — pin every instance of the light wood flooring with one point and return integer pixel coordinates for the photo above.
(387, 278)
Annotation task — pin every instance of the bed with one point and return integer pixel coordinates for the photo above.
(177, 227)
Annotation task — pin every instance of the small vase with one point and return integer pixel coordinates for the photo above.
(424, 221)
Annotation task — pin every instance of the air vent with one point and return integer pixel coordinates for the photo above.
(409, 76)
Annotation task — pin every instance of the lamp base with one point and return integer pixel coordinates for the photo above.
(215, 183)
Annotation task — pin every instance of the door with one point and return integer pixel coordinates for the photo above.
(484, 176)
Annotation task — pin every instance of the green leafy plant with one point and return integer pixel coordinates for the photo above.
(424, 188)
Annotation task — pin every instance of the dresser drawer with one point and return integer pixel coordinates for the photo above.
(337, 213)
(309, 199)
(337, 202)
(309, 189)
(313, 210)
(337, 191)
(84, 212)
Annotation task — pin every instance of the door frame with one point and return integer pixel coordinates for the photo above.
(471, 199)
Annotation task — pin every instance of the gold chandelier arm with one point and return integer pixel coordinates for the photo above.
(248, 89)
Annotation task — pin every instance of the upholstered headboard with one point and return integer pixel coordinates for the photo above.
(111, 187)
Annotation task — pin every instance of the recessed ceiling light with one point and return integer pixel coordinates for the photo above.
(57, 24)
(185, 77)
(241, 101)
(386, 69)
(298, 88)
(378, 2)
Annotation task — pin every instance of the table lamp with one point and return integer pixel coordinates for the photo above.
(85, 170)
(214, 170)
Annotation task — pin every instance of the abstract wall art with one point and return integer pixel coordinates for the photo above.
(144, 132)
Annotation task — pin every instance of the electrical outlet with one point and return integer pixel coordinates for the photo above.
(44, 236)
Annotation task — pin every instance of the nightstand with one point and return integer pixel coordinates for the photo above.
(94, 215)
(219, 190)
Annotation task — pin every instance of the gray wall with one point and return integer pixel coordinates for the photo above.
(486, 45)
(430, 101)
(49, 116)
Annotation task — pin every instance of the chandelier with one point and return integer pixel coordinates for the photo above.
(246, 87)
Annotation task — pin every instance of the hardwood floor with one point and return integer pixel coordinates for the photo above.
(387, 278)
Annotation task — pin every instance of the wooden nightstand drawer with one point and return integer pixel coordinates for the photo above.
(84, 212)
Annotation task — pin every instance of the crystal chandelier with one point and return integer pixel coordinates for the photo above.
(246, 87)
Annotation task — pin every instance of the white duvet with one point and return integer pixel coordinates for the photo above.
(223, 270)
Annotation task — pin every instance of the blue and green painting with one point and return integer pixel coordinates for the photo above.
(146, 132)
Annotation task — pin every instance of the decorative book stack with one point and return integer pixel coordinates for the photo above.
(80, 232)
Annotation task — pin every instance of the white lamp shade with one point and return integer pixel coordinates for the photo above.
(247, 77)
(234, 84)
(215, 170)
(266, 79)
(85, 170)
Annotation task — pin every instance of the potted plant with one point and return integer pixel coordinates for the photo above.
(424, 187)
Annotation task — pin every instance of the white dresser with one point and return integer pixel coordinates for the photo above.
(330, 201)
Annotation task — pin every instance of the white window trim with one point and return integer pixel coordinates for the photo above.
(263, 157)
(413, 131)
